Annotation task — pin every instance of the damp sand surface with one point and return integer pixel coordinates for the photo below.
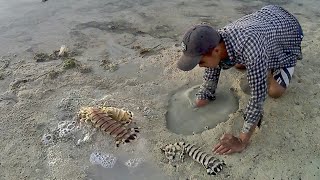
(125, 57)
(120, 172)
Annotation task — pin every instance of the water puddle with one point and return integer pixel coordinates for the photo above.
(183, 118)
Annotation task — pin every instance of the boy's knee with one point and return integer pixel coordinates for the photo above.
(276, 91)
(240, 66)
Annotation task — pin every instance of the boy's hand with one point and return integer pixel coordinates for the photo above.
(229, 144)
(201, 102)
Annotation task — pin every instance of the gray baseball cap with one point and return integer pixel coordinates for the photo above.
(197, 41)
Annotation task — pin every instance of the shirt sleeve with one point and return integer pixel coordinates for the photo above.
(257, 77)
(209, 85)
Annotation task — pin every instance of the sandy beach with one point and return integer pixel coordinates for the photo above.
(125, 55)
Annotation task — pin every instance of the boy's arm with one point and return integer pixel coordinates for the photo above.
(257, 78)
(209, 85)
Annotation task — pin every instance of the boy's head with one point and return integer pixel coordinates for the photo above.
(201, 45)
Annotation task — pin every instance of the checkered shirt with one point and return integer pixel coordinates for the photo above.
(267, 39)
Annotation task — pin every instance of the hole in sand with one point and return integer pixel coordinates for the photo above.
(183, 118)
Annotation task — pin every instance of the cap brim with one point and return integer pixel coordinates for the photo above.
(187, 63)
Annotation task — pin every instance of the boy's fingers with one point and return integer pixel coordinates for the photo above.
(224, 150)
(220, 148)
(216, 147)
(201, 102)
(229, 152)
(222, 137)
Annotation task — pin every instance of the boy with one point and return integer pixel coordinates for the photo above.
(266, 43)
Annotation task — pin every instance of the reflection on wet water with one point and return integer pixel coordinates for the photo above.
(25, 23)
